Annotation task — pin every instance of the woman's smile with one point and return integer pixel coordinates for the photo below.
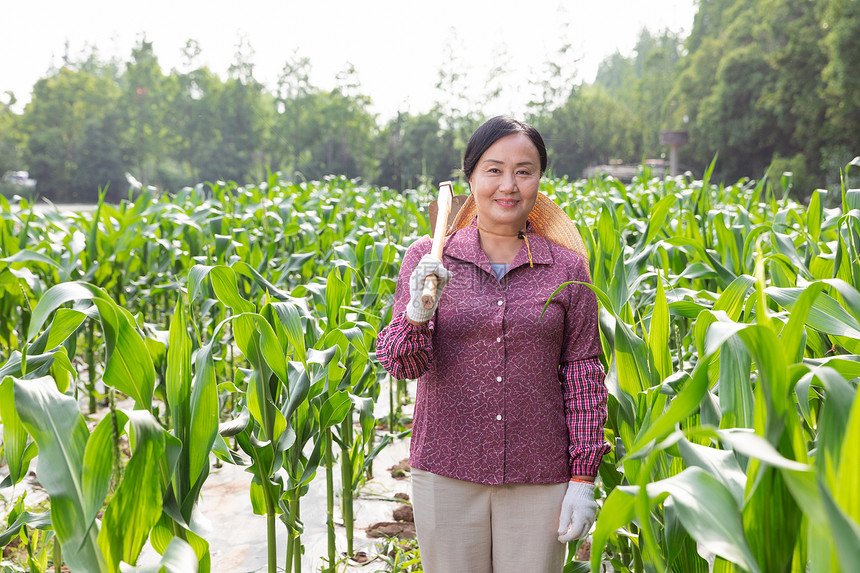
(505, 184)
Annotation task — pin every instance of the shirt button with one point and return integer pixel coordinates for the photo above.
(499, 339)
(499, 417)
(498, 378)
(501, 302)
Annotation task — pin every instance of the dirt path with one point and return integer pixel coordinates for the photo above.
(43, 207)
(237, 537)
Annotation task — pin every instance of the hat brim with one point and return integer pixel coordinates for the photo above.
(548, 220)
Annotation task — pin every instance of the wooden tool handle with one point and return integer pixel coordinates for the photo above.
(428, 295)
(446, 198)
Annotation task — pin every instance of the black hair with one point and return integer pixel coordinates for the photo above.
(493, 130)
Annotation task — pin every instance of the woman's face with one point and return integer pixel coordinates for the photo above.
(505, 183)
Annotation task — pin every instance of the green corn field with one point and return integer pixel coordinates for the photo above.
(240, 321)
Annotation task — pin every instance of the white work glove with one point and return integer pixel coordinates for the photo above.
(578, 510)
(428, 265)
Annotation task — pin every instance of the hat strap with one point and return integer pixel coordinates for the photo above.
(520, 235)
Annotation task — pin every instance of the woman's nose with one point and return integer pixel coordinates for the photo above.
(508, 183)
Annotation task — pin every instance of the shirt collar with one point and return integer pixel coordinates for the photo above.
(465, 245)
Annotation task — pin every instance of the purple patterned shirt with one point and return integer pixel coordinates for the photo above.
(503, 396)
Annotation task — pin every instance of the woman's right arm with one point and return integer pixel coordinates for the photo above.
(403, 348)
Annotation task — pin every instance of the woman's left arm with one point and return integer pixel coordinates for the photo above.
(585, 413)
(581, 376)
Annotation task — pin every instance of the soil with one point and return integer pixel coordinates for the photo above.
(403, 513)
(237, 537)
(386, 529)
(584, 551)
(401, 469)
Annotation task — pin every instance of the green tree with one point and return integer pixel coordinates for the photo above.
(730, 120)
(194, 115)
(712, 17)
(243, 112)
(318, 133)
(100, 160)
(617, 73)
(353, 129)
(145, 98)
(841, 21)
(68, 109)
(11, 138)
(751, 87)
(553, 85)
(294, 97)
(794, 97)
(417, 149)
(642, 83)
(454, 103)
(591, 128)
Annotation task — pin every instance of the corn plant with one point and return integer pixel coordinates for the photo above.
(81, 464)
(192, 406)
(302, 226)
(287, 403)
(730, 343)
(34, 533)
(729, 316)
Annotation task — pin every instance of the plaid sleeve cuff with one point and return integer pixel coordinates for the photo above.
(404, 349)
(585, 412)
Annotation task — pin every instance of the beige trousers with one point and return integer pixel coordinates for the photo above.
(464, 527)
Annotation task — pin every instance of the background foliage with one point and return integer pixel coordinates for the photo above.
(763, 83)
(240, 322)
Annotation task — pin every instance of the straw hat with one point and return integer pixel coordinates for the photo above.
(548, 220)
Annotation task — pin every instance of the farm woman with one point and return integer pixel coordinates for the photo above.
(507, 433)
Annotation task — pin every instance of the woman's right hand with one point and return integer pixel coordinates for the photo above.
(428, 265)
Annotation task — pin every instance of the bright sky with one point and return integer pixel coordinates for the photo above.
(396, 46)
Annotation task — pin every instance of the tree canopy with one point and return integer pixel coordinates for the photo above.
(763, 84)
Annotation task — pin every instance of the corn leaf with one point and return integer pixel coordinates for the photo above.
(225, 288)
(825, 314)
(685, 404)
(136, 506)
(631, 361)
(848, 478)
(98, 464)
(66, 321)
(709, 514)
(721, 464)
(129, 366)
(334, 409)
(336, 295)
(732, 298)
(657, 217)
(179, 557)
(290, 319)
(178, 389)
(618, 510)
(25, 519)
(55, 297)
(58, 428)
(845, 531)
(658, 336)
(18, 450)
(204, 418)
